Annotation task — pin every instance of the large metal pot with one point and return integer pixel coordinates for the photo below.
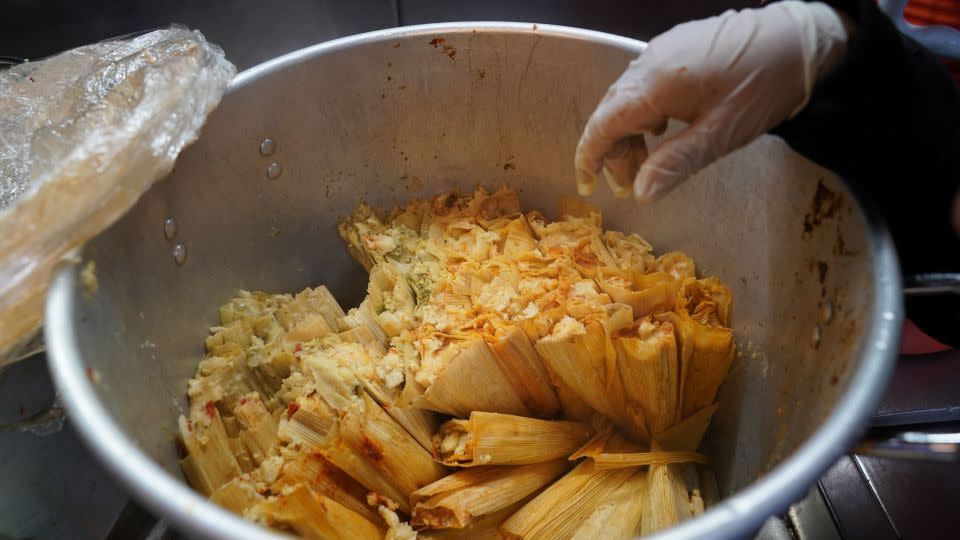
(413, 111)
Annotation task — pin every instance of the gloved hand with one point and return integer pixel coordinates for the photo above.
(731, 78)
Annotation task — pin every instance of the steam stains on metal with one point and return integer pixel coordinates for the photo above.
(824, 205)
(441, 43)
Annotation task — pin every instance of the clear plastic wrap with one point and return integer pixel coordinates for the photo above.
(82, 135)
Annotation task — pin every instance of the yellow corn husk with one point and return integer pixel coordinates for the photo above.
(312, 515)
(308, 422)
(518, 239)
(327, 306)
(484, 528)
(321, 476)
(500, 439)
(364, 315)
(258, 431)
(579, 358)
(473, 381)
(377, 452)
(458, 500)
(677, 264)
(392, 299)
(647, 359)
(705, 354)
(605, 461)
(687, 434)
(364, 336)
(708, 487)
(209, 462)
(668, 501)
(519, 361)
(226, 379)
(619, 515)
(560, 510)
(631, 252)
(237, 495)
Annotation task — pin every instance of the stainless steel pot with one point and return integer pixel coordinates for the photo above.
(413, 111)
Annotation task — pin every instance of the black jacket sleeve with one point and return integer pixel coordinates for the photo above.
(888, 118)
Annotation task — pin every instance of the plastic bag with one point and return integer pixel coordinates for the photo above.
(82, 135)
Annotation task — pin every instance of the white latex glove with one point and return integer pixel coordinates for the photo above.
(731, 78)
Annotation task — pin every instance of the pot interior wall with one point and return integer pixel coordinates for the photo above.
(417, 113)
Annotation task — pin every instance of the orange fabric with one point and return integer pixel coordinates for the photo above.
(928, 12)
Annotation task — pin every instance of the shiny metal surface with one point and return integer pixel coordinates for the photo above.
(390, 115)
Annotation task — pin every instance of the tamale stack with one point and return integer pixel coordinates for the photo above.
(506, 376)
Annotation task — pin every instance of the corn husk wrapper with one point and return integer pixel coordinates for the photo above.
(209, 462)
(500, 439)
(364, 315)
(376, 451)
(578, 357)
(473, 381)
(519, 361)
(312, 515)
(584, 358)
(620, 514)
(322, 477)
(608, 449)
(392, 299)
(647, 359)
(668, 501)
(688, 434)
(458, 500)
(561, 509)
(485, 528)
(237, 496)
(258, 428)
(706, 351)
(644, 293)
(367, 366)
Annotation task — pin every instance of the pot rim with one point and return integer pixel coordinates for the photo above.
(737, 516)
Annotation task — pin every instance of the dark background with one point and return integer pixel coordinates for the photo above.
(53, 488)
(251, 31)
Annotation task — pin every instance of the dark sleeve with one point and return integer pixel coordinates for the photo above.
(888, 118)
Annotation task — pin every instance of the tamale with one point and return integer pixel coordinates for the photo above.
(705, 353)
(473, 381)
(364, 315)
(524, 368)
(312, 515)
(647, 359)
(258, 431)
(581, 356)
(619, 515)
(560, 510)
(209, 462)
(321, 476)
(458, 500)
(500, 439)
(484, 528)
(392, 299)
(645, 293)
(377, 452)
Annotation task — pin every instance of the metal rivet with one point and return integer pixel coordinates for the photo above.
(268, 147)
(179, 254)
(169, 228)
(815, 336)
(274, 171)
(826, 312)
